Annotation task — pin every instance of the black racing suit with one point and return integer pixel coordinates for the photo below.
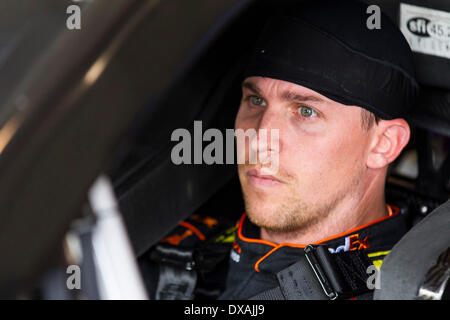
(242, 266)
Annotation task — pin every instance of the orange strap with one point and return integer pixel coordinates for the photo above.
(193, 229)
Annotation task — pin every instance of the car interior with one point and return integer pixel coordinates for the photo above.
(417, 183)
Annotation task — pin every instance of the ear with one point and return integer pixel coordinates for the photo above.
(389, 139)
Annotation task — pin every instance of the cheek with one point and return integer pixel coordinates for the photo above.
(322, 162)
(351, 148)
(245, 118)
(238, 122)
(242, 122)
(301, 157)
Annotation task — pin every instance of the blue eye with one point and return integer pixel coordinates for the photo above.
(306, 112)
(257, 101)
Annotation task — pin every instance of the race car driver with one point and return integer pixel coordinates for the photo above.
(339, 93)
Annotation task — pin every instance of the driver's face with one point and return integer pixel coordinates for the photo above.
(322, 153)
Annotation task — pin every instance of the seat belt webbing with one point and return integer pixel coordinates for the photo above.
(320, 275)
(177, 277)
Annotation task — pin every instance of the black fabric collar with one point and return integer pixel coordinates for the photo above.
(264, 256)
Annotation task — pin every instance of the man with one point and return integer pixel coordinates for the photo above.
(338, 93)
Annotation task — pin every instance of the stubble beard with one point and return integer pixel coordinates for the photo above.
(292, 214)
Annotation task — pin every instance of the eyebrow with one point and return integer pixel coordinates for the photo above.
(286, 95)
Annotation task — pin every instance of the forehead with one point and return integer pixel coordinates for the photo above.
(284, 89)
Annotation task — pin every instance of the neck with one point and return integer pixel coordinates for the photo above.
(354, 211)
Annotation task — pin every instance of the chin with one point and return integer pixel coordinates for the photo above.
(262, 212)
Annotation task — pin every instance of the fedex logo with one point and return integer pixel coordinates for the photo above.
(352, 242)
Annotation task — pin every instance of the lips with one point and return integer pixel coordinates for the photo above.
(260, 178)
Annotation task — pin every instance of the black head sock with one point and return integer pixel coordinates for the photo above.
(326, 46)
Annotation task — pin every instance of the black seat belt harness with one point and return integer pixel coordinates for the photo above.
(341, 275)
(177, 277)
(321, 275)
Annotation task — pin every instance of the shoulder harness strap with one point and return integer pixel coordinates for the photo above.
(189, 252)
(320, 275)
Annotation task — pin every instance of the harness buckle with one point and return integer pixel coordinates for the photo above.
(311, 255)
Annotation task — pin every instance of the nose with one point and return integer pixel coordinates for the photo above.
(266, 142)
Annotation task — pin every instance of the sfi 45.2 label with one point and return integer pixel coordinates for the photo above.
(426, 30)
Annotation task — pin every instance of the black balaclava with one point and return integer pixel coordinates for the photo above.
(326, 46)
